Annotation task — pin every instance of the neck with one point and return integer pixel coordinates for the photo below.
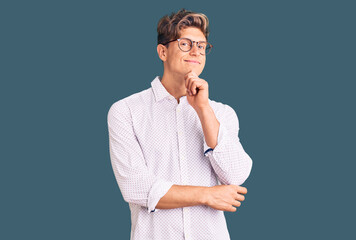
(174, 84)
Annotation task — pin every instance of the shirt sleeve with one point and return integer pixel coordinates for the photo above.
(137, 184)
(229, 160)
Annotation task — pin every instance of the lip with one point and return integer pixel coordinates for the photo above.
(192, 61)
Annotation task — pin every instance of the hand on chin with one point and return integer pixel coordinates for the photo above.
(197, 91)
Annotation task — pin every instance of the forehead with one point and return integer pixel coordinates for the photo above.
(193, 33)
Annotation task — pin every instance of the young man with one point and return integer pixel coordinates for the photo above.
(171, 146)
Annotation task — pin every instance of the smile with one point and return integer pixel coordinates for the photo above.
(192, 61)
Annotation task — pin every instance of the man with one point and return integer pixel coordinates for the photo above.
(170, 145)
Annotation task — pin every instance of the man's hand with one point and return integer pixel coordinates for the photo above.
(225, 197)
(197, 91)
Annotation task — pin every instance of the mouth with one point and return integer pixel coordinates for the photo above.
(192, 61)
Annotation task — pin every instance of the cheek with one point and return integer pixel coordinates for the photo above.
(202, 65)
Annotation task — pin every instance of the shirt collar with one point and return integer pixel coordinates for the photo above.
(159, 90)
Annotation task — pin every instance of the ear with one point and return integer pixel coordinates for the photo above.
(162, 52)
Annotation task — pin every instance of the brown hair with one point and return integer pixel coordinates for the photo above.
(169, 27)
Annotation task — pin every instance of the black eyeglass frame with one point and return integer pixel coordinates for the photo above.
(209, 46)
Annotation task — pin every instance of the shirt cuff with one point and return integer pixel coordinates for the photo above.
(222, 135)
(158, 190)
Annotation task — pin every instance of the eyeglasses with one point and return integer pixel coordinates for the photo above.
(186, 44)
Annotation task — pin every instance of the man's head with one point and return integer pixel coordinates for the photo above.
(176, 56)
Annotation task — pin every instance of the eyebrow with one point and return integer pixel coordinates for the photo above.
(194, 40)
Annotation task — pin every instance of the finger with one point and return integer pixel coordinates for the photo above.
(193, 84)
(190, 81)
(236, 203)
(240, 197)
(197, 85)
(189, 74)
(232, 209)
(193, 87)
(241, 190)
(186, 76)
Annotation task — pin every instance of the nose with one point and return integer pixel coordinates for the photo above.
(195, 49)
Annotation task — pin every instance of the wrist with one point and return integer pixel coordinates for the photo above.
(205, 112)
(204, 109)
(204, 197)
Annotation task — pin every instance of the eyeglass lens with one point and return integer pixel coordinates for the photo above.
(186, 45)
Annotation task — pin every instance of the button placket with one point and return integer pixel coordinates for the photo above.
(183, 167)
(187, 224)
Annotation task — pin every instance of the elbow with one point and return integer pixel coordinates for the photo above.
(239, 176)
(135, 195)
(134, 199)
(236, 179)
(127, 198)
(247, 169)
(244, 173)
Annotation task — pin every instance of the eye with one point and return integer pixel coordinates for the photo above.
(202, 45)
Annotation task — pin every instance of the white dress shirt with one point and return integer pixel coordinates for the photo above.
(155, 143)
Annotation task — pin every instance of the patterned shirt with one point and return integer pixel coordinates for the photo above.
(156, 142)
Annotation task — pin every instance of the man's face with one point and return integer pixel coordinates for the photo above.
(179, 62)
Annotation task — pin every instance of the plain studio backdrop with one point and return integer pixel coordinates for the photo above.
(286, 67)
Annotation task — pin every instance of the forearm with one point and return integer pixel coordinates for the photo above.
(210, 125)
(183, 196)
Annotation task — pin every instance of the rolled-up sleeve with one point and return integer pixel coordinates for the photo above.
(229, 160)
(137, 184)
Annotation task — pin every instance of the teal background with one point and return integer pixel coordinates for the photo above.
(286, 67)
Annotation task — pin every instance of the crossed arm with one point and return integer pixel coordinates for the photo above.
(221, 197)
(231, 164)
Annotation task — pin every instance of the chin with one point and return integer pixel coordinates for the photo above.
(196, 69)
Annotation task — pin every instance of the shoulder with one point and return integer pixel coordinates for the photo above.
(221, 108)
(224, 112)
(134, 101)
